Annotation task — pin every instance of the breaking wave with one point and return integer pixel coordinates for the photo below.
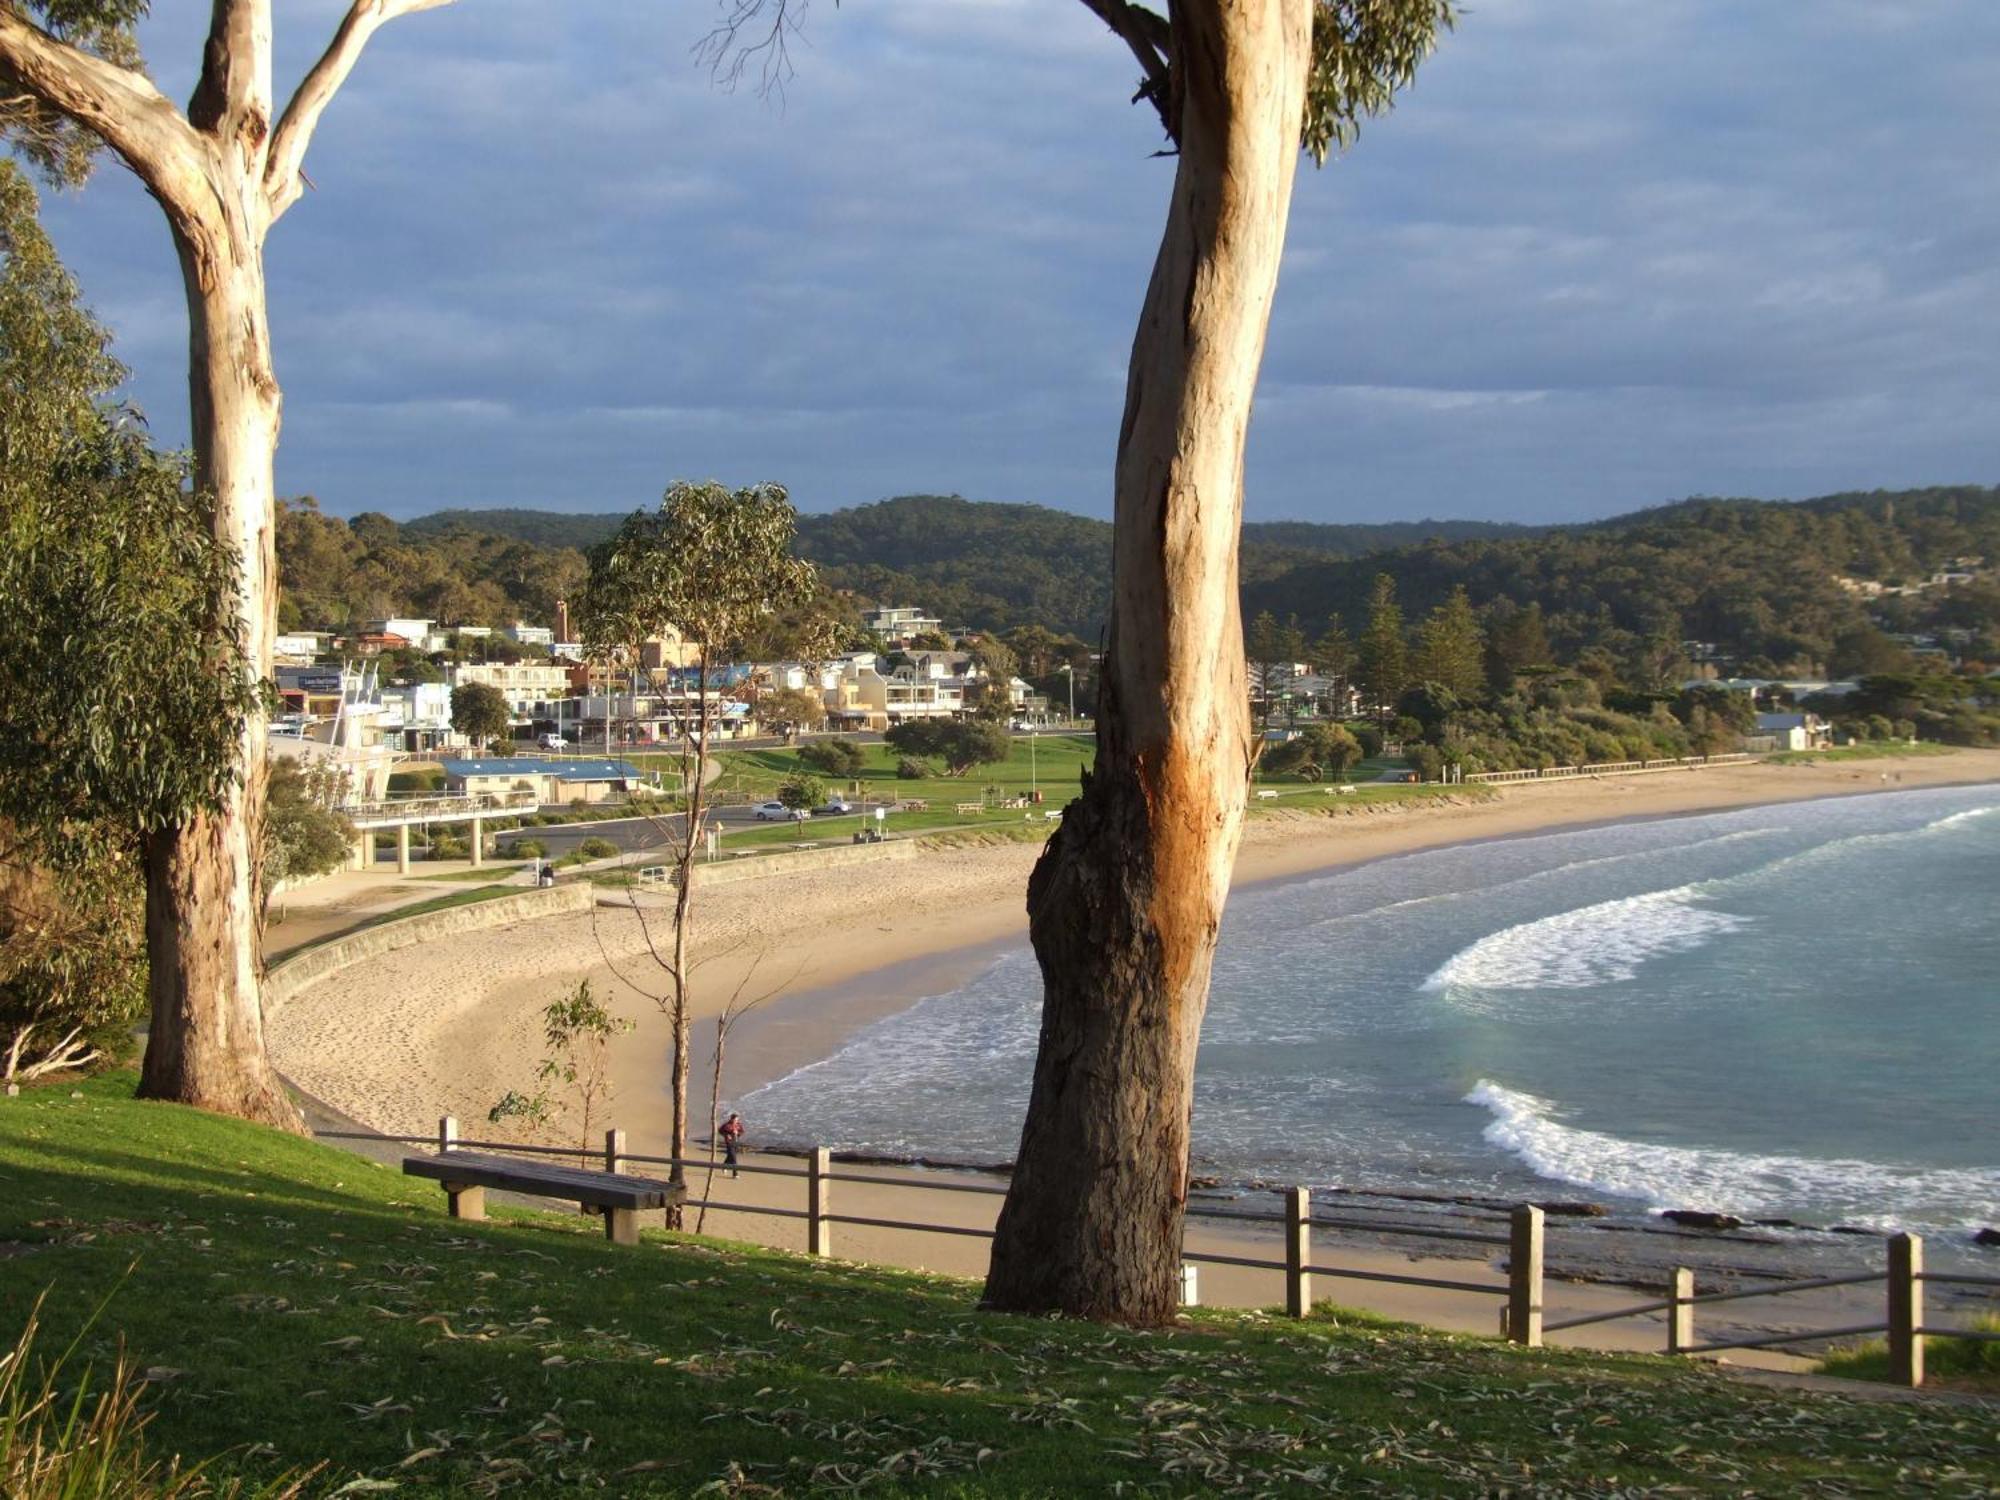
(1866, 1194)
(1590, 945)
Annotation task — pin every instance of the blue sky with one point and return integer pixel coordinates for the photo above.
(1604, 255)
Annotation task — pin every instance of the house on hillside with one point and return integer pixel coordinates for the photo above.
(898, 627)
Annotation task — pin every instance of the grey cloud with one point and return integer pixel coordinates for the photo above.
(1600, 256)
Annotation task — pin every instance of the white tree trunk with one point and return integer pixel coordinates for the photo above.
(206, 1046)
(1125, 903)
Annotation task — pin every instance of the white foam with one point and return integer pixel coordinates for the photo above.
(1586, 946)
(1865, 1193)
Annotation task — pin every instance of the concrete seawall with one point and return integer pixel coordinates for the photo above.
(721, 873)
(286, 979)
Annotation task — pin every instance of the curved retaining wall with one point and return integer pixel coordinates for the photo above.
(286, 979)
(728, 872)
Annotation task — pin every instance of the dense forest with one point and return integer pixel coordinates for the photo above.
(981, 564)
(1759, 581)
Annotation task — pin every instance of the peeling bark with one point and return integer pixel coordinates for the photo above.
(1126, 901)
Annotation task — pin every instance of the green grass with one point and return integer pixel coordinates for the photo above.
(1876, 750)
(296, 1305)
(433, 903)
(486, 872)
(1956, 1364)
(1052, 764)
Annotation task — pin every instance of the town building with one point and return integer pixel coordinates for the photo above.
(554, 782)
(900, 626)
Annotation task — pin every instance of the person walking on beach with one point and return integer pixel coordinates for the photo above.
(731, 1133)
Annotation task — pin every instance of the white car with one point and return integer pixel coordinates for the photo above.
(777, 812)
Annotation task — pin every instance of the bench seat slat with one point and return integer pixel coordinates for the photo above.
(509, 1174)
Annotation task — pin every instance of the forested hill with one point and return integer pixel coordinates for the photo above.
(1756, 578)
(978, 562)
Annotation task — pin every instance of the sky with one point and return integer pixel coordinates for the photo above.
(1602, 255)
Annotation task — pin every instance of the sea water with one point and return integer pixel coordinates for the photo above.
(1786, 1012)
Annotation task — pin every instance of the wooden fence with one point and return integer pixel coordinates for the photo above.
(1523, 1314)
(1607, 768)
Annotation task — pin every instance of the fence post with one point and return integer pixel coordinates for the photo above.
(1680, 1317)
(1906, 1309)
(1524, 1277)
(819, 1180)
(447, 1134)
(614, 1150)
(1298, 1252)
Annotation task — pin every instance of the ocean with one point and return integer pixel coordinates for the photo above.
(1785, 1013)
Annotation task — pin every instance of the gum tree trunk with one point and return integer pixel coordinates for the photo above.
(224, 172)
(1125, 903)
(206, 1044)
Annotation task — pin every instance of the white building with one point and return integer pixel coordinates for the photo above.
(527, 686)
(900, 626)
(531, 635)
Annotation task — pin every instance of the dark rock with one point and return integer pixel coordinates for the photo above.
(1695, 1218)
(1779, 1224)
(1852, 1229)
(1204, 1184)
(1575, 1210)
(1988, 1237)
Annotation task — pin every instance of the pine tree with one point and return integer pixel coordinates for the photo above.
(1384, 669)
(1450, 647)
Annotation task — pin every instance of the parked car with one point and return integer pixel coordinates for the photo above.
(777, 812)
(834, 806)
(553, 742)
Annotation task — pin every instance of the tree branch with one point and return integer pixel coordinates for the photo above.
(118, 105)
(1150, 38)
(284, 177)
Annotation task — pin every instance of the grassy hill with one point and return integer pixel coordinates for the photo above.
(296, 1306)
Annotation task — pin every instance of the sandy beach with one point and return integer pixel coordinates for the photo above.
(448, 1027)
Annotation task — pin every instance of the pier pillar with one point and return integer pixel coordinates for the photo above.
(478, 831)
(402, 848)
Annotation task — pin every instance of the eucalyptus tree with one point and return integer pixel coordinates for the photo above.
(223, 171)
(711, 565)
(1126, 901)
(123, 707)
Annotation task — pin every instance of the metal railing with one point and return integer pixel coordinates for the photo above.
(1523, 1317)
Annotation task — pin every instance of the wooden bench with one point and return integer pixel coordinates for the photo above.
(466, 1175)
(966, 809)
(1264, 792)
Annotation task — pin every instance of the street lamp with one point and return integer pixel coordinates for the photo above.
(1069, 671)
(1034, 782)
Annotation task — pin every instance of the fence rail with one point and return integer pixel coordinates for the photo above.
(1607, 768)
(1522, 1317)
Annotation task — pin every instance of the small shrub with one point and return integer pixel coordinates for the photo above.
(597, 848)
(525, 849)
(909, 769)
(448, 846)
(833, 757)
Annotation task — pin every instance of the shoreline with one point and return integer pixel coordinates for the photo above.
(446, 1028)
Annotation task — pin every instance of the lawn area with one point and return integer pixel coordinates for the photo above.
(1050, 762)
(487, 871)
(1877, 750)
(295, 1305)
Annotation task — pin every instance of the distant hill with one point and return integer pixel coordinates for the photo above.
(979, 563)
(1755, 577)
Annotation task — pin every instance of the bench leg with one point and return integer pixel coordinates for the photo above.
(621, 1226)
(466, 1202)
